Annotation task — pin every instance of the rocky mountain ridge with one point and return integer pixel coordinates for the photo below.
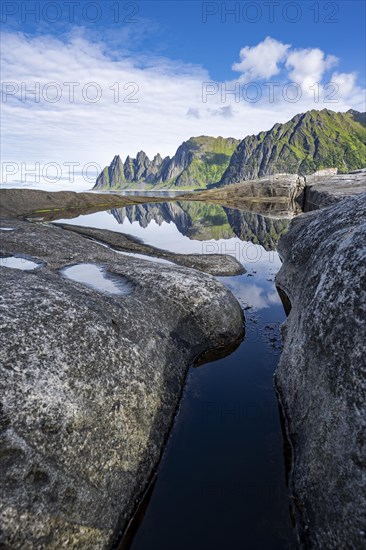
(308, 142)
(196, 163)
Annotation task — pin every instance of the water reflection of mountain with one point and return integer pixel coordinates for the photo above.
(202, 221)
(256, 228)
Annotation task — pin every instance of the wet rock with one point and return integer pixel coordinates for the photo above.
(322, 372)
(215, 264)
(90, 382)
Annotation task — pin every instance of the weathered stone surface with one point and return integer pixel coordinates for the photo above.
(280, 187)
(90, 382)
(324, 190)
(322, 372)
(68, 204)
(215, 264)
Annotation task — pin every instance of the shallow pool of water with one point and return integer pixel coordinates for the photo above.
(221, 483)
(96, 276)
(17, 262)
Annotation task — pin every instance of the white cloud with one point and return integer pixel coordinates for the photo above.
(346, 82)
(170, 108)
(258, 297)
(45, 130)
(261, 61)
(307, 66)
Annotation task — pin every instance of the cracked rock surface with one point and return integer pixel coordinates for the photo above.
(322, 191)
(321, 376)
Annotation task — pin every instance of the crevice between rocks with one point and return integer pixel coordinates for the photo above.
(125, 531)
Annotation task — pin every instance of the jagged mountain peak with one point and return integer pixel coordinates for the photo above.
(197, 162)
(141, 155)
(308, 142)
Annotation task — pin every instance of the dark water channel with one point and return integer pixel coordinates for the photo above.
(221, 481)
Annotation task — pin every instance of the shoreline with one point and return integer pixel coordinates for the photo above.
(119, 364)
(56, 245)
(320, 377)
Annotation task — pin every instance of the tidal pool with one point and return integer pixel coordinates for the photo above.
(96, 276)
(18, 262)
(221, 482)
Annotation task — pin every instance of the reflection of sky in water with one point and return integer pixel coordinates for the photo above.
(167, 236)
(224, 446)
(16, 262)
(260, 294)
(95, 276)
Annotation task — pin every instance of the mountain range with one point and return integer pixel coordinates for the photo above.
(308, 142)
(196, 163)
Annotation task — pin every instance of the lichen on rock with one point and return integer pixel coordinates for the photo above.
(90, 383)
(321, 376)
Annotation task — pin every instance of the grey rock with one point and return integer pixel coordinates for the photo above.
(321, 376)
(279, 188)
(180, 161)
(215, 264)
(25, 203)
(90, 383)
(113, 172)
(129, 171)
(119, 174)
(321, 191)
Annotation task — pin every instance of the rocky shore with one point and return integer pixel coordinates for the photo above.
(215, 264)
(321, 378)
(273, 197)
(324, 190)
(22, 203)
(279, 188)
(90, 382)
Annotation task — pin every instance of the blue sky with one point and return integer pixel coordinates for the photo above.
(207, 33)
(181, 32)
(166, 54)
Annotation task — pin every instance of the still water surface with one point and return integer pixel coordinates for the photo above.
(221, 481)
(96, 276)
